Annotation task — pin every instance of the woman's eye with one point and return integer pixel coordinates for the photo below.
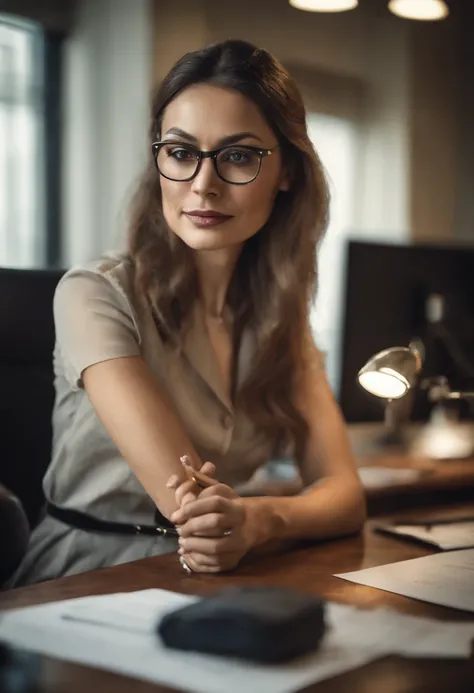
(180, 154)
(237, 156)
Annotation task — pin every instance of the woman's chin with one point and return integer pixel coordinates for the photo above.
(207, 240)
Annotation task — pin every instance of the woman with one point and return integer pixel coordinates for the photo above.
(196, 342)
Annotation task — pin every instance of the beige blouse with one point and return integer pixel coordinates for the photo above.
(99, 317)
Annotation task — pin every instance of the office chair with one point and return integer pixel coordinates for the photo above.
(14, 534)
(26, 382)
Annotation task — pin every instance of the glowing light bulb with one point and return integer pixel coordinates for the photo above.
(422, 10)
(324, 5)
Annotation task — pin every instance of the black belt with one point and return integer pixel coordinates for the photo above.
(79, 520)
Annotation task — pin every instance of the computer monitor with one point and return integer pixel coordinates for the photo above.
(386, 294)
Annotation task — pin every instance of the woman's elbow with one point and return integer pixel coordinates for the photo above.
(356, 511)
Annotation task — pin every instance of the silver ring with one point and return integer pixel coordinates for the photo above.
(185, 565)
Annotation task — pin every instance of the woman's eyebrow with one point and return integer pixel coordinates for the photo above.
(230, 139)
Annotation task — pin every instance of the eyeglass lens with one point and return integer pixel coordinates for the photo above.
(234, 164)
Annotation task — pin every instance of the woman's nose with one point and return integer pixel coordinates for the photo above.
(207, 181)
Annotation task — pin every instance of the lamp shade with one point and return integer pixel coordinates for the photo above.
(422, 10)
(324, 5)
(391, 373)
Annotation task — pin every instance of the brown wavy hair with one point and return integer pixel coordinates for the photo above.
(275, 276)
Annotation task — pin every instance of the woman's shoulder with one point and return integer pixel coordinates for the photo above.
(94, 316)
(113, 267)
(112, 274)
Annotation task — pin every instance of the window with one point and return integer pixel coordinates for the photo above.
(336, 141)
(22, 180)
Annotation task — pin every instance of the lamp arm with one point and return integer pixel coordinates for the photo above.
(460, 395)
(453, 349)
(439, 390)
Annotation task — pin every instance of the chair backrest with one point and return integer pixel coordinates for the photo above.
(26, 382)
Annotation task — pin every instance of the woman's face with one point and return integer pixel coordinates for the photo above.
(206, 116)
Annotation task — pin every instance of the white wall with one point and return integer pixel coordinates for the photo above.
(437, 142)
(383, 212)
(107, 79)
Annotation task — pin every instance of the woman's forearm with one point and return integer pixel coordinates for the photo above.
(142, 422)
(335, 507)
(288, 487)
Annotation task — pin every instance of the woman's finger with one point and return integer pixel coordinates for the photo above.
(211, 564)
(200, 532)
(173, 482)
(186, 492)
(201, 479)
(211, 546)
(209, 469)
(204, 506)
(199, 559)
(211, 525)
(219, 490)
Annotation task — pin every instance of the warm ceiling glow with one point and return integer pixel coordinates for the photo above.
(385, 383)
(424, 10)
(324, 5)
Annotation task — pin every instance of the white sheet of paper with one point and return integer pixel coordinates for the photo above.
(442, 578)
(413, 636)
(117, 633)
(380, 477)
(455, 535)
(379, 629)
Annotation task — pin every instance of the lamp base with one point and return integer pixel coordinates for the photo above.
(374, 440)
(444, 437)
(392, 438)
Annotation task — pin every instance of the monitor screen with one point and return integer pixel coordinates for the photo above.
(388, 301)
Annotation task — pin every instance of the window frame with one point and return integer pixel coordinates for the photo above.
(47, 47)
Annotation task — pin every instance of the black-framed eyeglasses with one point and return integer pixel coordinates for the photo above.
(236, 164)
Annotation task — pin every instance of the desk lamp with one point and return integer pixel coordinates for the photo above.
(390, 375)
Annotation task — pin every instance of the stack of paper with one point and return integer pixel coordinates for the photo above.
(443, 535)
(442, 578)
(118, 632)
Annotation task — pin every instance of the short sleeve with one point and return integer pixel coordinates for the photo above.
(94, 323)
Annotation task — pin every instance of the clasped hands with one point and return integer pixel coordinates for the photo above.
(213, 522)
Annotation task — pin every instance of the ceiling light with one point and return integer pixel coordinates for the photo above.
(324, 5)
(424, 10)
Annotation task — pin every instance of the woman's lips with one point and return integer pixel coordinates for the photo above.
(205, 221)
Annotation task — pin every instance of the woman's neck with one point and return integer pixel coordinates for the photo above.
(215, 269)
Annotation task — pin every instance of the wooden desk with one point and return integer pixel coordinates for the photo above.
(440, 482)
(309, 569)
